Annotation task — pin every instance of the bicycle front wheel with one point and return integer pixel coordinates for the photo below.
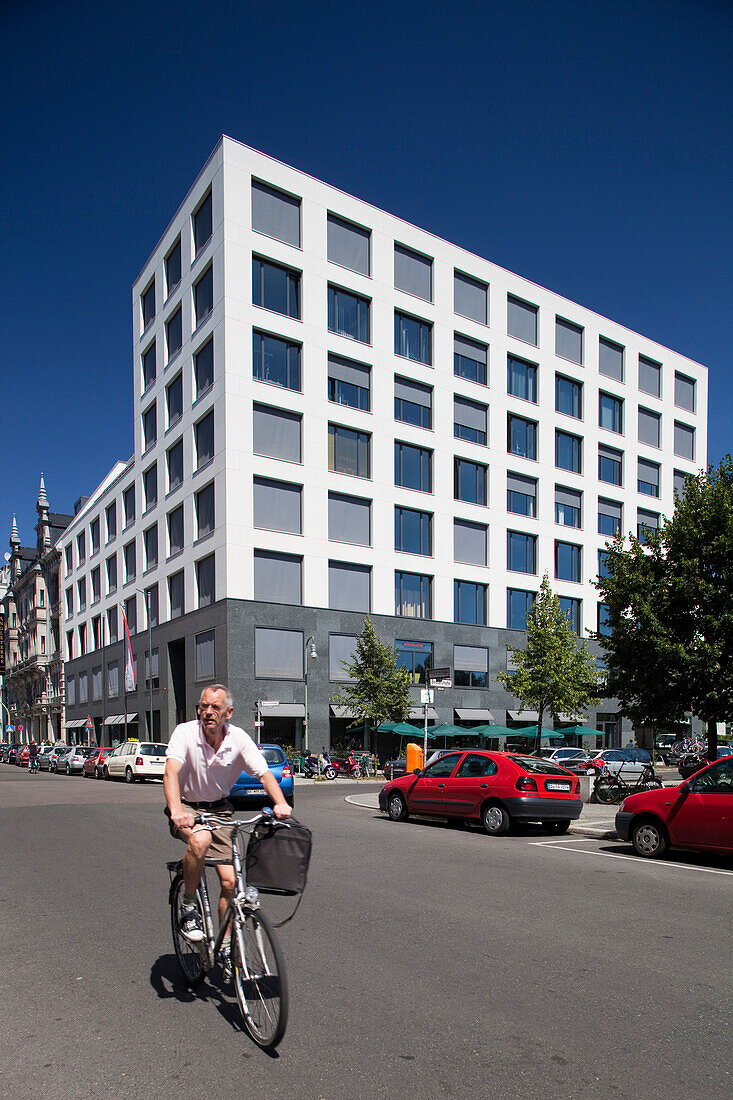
(259, 980)
(189, 955)
(605, 793)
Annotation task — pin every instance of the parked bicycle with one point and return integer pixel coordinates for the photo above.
(609, 788)
(258, 967)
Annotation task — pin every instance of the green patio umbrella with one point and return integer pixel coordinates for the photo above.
(581, 731)
(402, 729)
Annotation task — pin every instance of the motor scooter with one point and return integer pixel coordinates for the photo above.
(314, 766)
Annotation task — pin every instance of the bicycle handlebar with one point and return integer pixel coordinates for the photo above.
(211, 821)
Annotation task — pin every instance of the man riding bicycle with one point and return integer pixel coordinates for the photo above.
(204, 760)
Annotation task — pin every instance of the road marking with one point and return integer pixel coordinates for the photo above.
(632, 859)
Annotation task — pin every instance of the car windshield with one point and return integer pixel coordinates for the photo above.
(532, 764)
(88, 750)
(271, 754)
(153, 750)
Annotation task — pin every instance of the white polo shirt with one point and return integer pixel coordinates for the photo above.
(205, 775)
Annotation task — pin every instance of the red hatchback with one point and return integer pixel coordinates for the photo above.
(92, 766)
(698, 814)
(494, 789)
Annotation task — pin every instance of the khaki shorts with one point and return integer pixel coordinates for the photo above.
(221, 839)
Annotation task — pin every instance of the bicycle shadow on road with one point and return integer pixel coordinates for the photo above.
(166, 980)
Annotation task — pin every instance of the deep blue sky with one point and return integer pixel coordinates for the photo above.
(585, 144)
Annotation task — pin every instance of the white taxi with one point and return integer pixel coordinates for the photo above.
(136, 760)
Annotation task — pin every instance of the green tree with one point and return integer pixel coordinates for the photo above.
(379, 690)
(670, 611)
(554, 674)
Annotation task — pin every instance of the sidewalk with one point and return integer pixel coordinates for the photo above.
(594, 821)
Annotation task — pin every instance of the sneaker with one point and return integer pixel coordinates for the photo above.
(225, 961)
(189, 925)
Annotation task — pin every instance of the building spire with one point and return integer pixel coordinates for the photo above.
(14, 536)
(42, 498)
(43, 530)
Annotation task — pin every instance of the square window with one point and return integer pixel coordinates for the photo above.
(131, 614)
(205, 581)
(174, 334)
(173, 268)
(684, 441)
(276, 361)
(276, 433)
(112, 573)
(521, 495)
(176, 595)
(278, 653)
(341, 652)
(175, 531)
(148, 365)
(568, 396)
(610, 465)
(413, 467)
(349, 383)
(568, 452)
(174, 399)
(571, 609)
(470, 297)
(205, 511)
(519, 604)
(349, 586)
(650, 427)
(416, 657)
(150, 427)
(275, 213)
(470, 420)
(348, 314)
(413, 338)
(470, 481)
(130, 562)
(521, 379)
(521, 554)
(470, 666)
(203, 297)
(349, 519)
(128, 500)
(203, 367)
(470, 602)
(204, 436)
(110, 514)
(413, 273)
(413, 531)
(150, 541)
(609, 517)
(147, 304)
(205, 648)
(650, 376)
(470, 542)
(278, 577)
(93, 536)
(567, 562)
(348, 244)
(412, 595)
(610, 412)
(275, 287)
(174, 457)
(645, 522)
(413, 402)
(202, 225)
(568, 341)
(648, 477)
(568, 506)
(521, 437)
(277, 506)
(521, 320)
(684, 392)
(470, 359)
(349, 451)
(611, 359)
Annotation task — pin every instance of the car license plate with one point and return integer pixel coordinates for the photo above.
(255, 790)
(558, 786)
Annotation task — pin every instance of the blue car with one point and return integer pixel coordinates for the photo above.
(251, 790)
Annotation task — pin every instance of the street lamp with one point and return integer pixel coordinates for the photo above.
(312, 654)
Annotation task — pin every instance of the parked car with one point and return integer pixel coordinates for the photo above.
(494, 789)
(92, 766)
(568, 757)
(44, 758)
(628, 761)
(23, 757)
(133, 760)
(698, 814)
(252, 790)
(71, 762)
(691, 763)
(13, 753)
(394, 768)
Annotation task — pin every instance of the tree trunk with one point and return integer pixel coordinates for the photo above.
(712, 731)
(539, 733)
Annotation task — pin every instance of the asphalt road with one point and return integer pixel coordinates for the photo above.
(424, 961)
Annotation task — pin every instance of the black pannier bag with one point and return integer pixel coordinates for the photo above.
(277, 857)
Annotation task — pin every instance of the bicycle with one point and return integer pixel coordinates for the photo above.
(258, 967)
(609, 789)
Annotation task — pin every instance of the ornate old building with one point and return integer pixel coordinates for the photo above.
(34, 669)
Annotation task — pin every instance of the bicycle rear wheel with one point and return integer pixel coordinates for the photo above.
(190, 957)
(259, 980)
(605, 793)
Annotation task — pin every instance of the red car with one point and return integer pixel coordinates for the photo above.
(696, 814)
(89, 768)
(494, 789)
(23, 756)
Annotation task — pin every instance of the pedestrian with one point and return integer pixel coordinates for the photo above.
(204, 759)
(33, 757)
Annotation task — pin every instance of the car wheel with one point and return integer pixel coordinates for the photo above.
(68, 770)
(561, 826)
(129, 777)
(106, 774)
(396, 807)
(649, 839)
(495, 819)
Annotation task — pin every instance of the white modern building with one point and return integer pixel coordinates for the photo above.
(336, 413)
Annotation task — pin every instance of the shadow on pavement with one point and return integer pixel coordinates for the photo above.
(675, 856)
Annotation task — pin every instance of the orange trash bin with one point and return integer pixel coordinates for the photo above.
(413, 757)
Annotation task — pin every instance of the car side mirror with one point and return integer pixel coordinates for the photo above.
(416, 771)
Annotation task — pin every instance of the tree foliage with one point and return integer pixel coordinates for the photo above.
(379, 690)
(555, 673)
(670, 609)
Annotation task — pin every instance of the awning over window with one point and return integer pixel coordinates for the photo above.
(119, 719)
(284, 710)
(342, 712)
(419, 712)
(76, 723)
(523, 715)
(473, 715)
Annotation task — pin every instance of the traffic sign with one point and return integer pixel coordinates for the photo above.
(269, 702)
(439, 678)
(10, 729)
